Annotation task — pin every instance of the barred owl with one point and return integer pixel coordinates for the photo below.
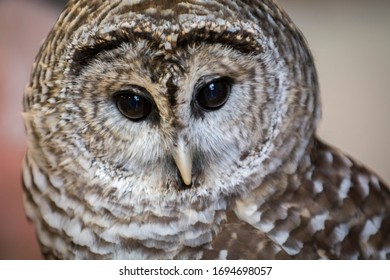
(186, 130)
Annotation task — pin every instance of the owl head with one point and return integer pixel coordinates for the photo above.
(156, 99)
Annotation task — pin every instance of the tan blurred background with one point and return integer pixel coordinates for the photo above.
(350, 41)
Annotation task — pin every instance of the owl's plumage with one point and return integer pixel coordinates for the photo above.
(186, 129)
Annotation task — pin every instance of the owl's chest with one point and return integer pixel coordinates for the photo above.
(181, 236)
(92, 228)
(84, 223)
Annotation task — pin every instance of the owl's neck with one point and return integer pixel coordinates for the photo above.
(173, 230)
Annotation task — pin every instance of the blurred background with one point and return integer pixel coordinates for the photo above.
(350, 40)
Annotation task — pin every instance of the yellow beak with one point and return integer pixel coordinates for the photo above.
(183, 159)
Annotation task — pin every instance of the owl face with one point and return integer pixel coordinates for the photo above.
(149, 114)
(149, 101)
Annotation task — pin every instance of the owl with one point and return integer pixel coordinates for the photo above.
(187, 130)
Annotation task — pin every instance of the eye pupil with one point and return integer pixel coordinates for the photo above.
(133, 106)
(214, 95)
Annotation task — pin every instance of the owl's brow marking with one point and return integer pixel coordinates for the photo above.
(240, 38)
(83, 55)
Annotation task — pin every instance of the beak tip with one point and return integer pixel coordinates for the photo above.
(187, 181)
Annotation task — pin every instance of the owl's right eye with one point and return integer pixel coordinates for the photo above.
(132, 105)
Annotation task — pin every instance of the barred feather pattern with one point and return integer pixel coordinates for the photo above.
(336, 209)
(99, 186)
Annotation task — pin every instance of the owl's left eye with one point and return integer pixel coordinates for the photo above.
(132, 105)
(214, 95)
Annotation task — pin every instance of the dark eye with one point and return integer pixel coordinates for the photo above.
(133, 106)
(215, 94)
